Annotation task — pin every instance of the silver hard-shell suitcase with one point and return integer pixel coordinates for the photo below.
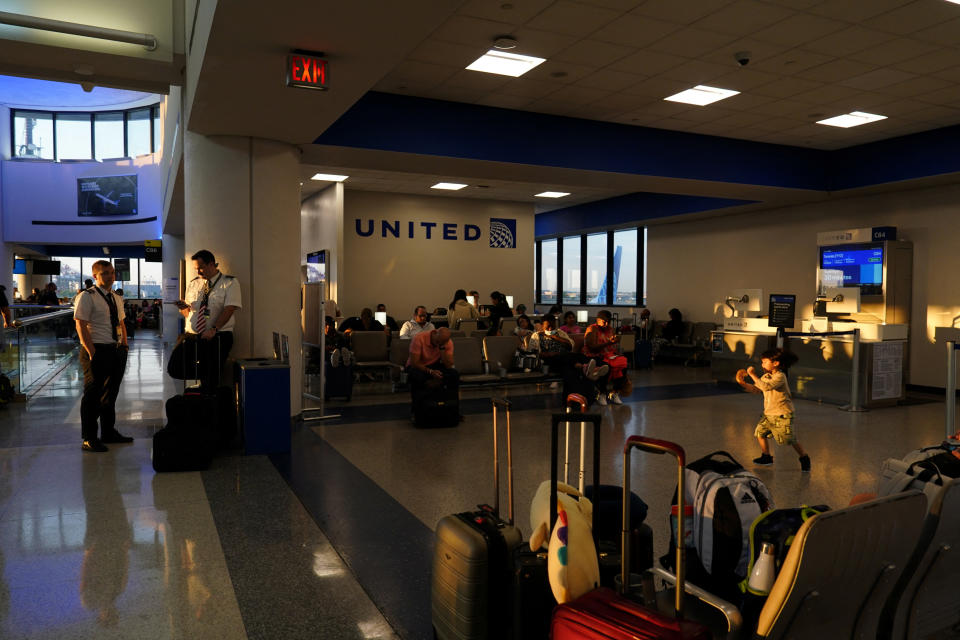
(472, 562)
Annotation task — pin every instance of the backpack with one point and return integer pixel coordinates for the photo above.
(726, 499)
(778, 527)
(924, 469)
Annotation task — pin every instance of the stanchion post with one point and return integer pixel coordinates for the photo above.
(951, 399)
(323, 372)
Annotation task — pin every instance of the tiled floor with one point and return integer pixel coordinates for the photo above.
(334, 540)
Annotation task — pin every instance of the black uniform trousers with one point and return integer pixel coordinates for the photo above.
(102, 376)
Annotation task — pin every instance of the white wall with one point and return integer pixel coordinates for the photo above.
(48, 191)
(691, 265)
(404, 272)
(321, 227)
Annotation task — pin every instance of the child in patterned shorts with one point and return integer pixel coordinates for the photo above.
(777, 419)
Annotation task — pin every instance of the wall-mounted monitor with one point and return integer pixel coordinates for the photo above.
(19, 267)
(853, 265)
(107, 196)
(317, 266)
(46, 267)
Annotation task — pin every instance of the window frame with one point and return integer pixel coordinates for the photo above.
(610, 233)
(153, 109)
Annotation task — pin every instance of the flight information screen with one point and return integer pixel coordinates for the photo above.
(853, 266)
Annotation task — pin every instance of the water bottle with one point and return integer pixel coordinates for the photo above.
(764, 571)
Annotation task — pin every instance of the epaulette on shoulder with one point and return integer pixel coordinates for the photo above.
(195, 278)
(229, 277)
(90, 290)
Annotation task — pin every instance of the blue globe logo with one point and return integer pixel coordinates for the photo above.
(501, 236)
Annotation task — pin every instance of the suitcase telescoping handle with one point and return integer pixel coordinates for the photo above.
(556, 419)
(652, 445)
(578, 401)
(496, 461)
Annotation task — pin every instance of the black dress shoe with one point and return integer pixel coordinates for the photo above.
(116, 438)
(93, 445)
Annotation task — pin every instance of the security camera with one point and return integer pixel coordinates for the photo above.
(742, 58)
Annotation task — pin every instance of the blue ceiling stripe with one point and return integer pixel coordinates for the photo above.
(452, 129)
(633, 207)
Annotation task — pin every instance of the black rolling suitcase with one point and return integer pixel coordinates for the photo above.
(338, 382)
(471, 576)
(190, 438)
(643, 354)
(437, 405)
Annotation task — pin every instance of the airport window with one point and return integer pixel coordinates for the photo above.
(73, 136)
(144, 280)
(602, 268)
(597, 268)
(32, 135)
(45, 135)
(108, 135)
(547, 288)
(138, 132)
(571, 270)
(625, 253)
(157, 126)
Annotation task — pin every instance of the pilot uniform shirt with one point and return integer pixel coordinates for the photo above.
(224, 292)
(93, 308)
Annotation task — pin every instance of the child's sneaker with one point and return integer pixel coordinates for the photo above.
(346, 357)
(615, 398)
(805, 463)
(335, 358)
(601, 399)
(764, 459)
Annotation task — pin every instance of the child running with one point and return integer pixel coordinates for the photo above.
(777, 420)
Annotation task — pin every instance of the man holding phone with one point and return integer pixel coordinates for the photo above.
(212, 298)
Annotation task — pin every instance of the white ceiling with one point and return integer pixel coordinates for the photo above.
(615, 60)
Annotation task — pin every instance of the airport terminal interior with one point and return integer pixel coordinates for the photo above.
(724, 177)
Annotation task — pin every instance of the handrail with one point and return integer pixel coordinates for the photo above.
(42, 317)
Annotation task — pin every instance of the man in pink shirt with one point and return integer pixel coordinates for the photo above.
(431, 364)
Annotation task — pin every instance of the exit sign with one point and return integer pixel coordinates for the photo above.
(307, 71)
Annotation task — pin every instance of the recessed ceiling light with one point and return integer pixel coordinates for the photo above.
(852, 119)
(329, 177)
(551, 194)
(505, 63)
(954, 1)
(701, 95)
(448, 186)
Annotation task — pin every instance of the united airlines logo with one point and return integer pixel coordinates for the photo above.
(503, 233)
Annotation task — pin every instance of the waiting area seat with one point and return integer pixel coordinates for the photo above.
(842, 567)
(469, 361)
(499, 352)
(370, 351)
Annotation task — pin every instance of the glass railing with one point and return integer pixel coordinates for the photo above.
(37, 346)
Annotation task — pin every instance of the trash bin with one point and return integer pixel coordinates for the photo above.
(264, 405)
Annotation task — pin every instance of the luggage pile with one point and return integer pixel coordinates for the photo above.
(200, 422)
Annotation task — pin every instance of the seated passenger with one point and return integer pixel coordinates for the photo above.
(390, 324)
(365, 322)
(523, 330)
(601, 342)
(499, 309)
(674, 329)
(580, 374)
(570, 323)
(460, 309)
(431, 359)
(417, 325)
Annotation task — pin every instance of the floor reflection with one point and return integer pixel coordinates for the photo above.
(106, 544)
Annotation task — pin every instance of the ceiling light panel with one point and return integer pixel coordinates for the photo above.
(505, 63)
(852, 119)
(448, 186)
(701, 95)
(552, 194)
(329, 177)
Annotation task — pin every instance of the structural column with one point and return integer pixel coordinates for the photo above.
(172, 255)
(242, 203)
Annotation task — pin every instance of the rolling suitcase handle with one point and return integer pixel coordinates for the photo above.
(556, 419)
(581, 402)
(652, 445)
(496, 462)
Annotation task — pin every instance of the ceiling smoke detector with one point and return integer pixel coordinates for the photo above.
(505, 42)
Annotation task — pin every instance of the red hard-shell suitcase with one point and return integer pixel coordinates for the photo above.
(602, 614)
